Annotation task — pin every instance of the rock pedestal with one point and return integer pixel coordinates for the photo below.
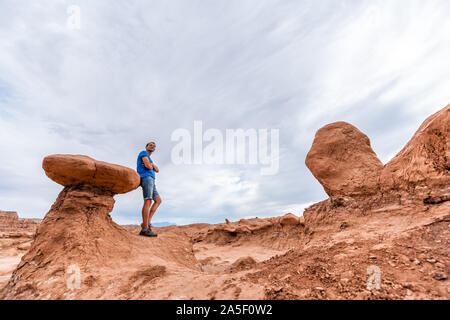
(78, 229)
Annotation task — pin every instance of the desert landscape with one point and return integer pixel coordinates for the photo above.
(392, 218)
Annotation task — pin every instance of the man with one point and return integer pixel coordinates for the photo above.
(146, 169)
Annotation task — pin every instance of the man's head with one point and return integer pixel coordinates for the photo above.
(151, 146)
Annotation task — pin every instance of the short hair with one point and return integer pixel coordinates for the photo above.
(149, 143)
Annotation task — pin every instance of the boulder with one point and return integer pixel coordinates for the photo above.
(343, 161)
(73, 170)
(243, 263)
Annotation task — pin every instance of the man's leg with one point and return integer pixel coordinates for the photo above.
(156, 203)
(146, 213)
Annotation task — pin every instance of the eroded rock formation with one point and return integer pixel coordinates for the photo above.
(74, 170)
(344, 163)
(394, 216)
(78, 224)
(248, 231)
(10, 223)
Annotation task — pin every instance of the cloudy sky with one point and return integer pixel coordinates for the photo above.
(138, 70)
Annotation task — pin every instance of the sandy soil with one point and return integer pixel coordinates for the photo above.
(278, 262)
(12, 248)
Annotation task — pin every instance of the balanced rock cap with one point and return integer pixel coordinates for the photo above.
(343, 161)
(71, 170)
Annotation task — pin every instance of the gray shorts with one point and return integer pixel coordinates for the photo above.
(149, 188)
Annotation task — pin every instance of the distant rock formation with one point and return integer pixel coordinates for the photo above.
(255, 230)
(10, 223)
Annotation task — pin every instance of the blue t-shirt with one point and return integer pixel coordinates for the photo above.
(141, 169)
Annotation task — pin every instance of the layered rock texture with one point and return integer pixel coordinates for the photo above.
(16, 235)
(343, 161)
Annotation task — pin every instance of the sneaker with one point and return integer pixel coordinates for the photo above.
(149, 226)
(147, 233)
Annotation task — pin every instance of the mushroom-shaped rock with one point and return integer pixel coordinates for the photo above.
(422, 167)
(289, 219)
(78, 227)
(343, 161)
(73, 170)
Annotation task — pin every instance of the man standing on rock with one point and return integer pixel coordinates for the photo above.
(146, 169)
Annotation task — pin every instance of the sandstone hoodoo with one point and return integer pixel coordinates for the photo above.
(344, 163)
(78, 228)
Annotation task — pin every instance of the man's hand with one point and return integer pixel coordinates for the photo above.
(155, 168)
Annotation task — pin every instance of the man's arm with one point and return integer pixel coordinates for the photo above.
(147, 163)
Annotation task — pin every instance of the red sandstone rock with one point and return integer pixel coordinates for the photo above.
(10, 223)
(115, 264)
(78, 225)
(73, 170)
(302, 220)
(289, 219)
(343, 161)
(422, 167)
